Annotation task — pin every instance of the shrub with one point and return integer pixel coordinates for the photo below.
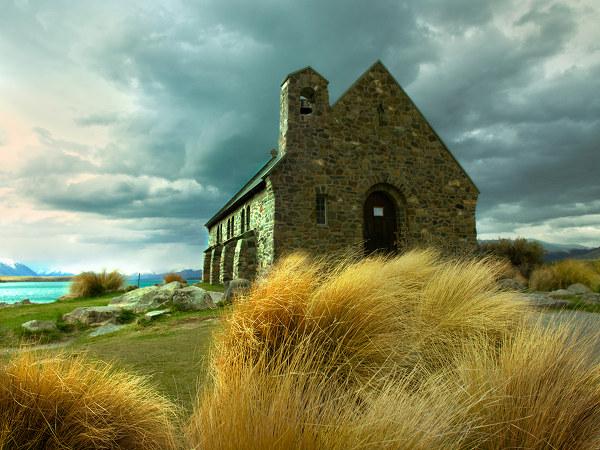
(564, 273)
(352, 354)
(373, 316)
(66, 402)
(523, 254)
(92, 284)
(170, 277)
(542, 391)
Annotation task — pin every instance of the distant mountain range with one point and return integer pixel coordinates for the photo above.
(8, 267)
(187, 274)
(556, 252)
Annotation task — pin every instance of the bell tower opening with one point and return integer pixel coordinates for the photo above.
(307, 100)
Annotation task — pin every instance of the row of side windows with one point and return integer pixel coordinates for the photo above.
(230, 230)
(321, 215)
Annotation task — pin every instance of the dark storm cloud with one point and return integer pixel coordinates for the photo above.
(204, 82)
(124, 196)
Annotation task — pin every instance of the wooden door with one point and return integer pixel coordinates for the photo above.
(379, 223)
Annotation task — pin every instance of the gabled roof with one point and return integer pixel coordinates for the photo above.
(304, 69)
(255, 184)
(378, 63)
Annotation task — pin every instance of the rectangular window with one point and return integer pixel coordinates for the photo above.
(378, 211)
(321, 209)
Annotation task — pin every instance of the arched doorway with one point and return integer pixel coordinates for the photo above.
(379, 223)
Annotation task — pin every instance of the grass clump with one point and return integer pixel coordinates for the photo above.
(353, 355)
(523, 254)
(92, 284)
(55, 401)
(542, 390)
(563, 273)
(170, 277)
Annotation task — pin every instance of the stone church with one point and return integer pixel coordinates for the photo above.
(367, 172)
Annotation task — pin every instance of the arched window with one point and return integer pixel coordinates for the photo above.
(248, 217)
(307, 100)
(228, 228)
(232, 226)
(243, 220)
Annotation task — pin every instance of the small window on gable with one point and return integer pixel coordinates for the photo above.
(307, 100)
(321, 209)
(248, 217)
(381, 115)
(243, 220)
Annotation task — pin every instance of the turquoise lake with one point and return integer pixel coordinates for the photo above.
(47, 292)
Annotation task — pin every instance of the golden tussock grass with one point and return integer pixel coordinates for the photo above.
(170, 277)
(564, 273)
(54, 401)
(92, 284)
(541, 392)
(356, 355)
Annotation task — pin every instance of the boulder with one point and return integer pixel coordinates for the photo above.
(106, 329)
(579, 288)
(217, 297)
(148, 298)
(542, 300)
(92, 315)
(235, 288)
(38, 326)
(150, 315)
(560, 293)
(192, 298)
(511, 284)
(590, 298)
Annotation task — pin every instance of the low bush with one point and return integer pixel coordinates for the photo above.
(55, 401)
(352, 354)
(92, 284)
(563, 273)
(170, 277)
(523, 254)
(542, 390)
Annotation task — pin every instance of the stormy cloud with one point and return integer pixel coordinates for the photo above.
(127, 124)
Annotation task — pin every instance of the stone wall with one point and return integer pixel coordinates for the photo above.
(372, 138)
(262, 206)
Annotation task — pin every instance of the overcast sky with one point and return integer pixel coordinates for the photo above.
(124, 125)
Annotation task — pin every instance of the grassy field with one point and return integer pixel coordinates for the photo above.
(171, 350)
(11, 318)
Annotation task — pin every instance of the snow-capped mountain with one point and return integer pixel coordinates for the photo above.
(12, 268)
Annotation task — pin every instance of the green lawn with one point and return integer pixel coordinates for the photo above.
(11, 318)
(171, 351)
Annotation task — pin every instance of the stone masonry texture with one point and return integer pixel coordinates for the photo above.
(372, 139)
